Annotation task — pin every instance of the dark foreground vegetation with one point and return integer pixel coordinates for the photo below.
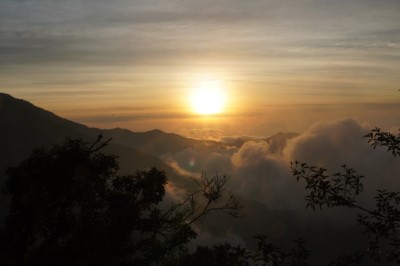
(69, 206)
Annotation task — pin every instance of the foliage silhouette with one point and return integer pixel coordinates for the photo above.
(69, 206)
(381, 223)
(267, 253)
(385, 139)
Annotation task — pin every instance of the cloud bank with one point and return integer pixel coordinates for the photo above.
(274, 201)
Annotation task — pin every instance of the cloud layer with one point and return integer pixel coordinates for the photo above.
(274, 201)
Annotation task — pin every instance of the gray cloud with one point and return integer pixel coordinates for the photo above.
(93, 32)
(262, 175)
(260, 172)
(274, 202)
(349, 48)
(333, 144)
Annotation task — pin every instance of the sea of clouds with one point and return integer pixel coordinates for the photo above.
(273, 202)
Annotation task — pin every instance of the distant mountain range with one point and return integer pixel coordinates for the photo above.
(25, 127)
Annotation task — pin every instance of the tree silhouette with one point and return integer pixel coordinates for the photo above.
(69, 206)
(381, 223)
(267, 253)
(385, 139)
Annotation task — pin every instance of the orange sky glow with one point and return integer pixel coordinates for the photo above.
(283, 65)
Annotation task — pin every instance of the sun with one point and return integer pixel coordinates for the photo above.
(208, 98)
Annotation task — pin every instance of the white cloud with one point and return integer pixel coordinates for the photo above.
(341, 142)
(274, 202)
(259, 172)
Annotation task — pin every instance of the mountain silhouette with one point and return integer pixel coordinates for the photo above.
(25, 127)
(156, 142)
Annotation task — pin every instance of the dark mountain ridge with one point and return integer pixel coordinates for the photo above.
(25, 127)
(156, 142)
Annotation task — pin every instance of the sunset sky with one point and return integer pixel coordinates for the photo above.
(279, 65)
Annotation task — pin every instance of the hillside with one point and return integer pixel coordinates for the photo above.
(25, 127)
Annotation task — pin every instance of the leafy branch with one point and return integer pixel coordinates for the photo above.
(212, 192)
(386, 139)
(381, 224)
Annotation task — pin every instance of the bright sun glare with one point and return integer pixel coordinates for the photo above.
(208, 98)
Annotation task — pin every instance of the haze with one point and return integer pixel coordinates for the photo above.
(134, 64)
